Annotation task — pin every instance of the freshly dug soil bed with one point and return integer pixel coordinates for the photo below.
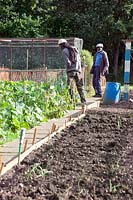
(90, 160)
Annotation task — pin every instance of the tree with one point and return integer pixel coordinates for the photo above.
(18, 19)
(95, 21)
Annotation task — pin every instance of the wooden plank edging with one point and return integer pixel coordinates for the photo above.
(35, 146)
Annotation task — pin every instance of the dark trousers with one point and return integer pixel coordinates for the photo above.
(97, 80)
(76, 76)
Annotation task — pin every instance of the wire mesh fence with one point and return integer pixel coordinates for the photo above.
(32, 59)
(33, 53)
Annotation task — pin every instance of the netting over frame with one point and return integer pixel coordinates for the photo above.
(25, 54)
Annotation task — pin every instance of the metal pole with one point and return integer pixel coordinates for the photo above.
(21, 140)
(11, 63)
(127, 70)
(27, 60)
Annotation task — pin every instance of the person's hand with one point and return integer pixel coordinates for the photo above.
(69, 63)
(101, 74)
(105, 71)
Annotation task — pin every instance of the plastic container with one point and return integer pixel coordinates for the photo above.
(112, 93)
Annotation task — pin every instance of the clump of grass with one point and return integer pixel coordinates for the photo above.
(116, 187)
(37, 171)
(113, 188)
(119, 123)
(115, 166)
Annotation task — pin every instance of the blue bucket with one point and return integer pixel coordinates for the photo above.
(112, 93)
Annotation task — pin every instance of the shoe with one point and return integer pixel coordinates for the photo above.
(83, 101)
(97, 95)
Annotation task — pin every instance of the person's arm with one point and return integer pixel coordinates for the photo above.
(106, 64)
(106, 60)
(66, 56)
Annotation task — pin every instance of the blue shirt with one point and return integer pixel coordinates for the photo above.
(98, 59)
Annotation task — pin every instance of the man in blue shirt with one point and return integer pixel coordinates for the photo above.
(99, 68)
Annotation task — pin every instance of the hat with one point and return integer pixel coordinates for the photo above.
(61, 41)
(99, 45)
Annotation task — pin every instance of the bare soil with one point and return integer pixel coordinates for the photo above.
(90, 160)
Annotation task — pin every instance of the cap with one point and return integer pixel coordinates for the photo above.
(61, 41)
(99, 45)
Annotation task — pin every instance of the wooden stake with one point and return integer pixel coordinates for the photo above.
(49, 136)
(70, 118)
(25, 145)
(83, 109)
(1, 167)
(53, 127)
(65, 124)
(1, 158)
(34, 136)
(52, 130)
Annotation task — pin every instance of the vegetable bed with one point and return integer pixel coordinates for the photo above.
(90, 160)
(24, 104)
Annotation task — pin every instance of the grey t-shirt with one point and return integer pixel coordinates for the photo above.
(69, 65)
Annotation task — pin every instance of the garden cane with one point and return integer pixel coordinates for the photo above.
(21, 140)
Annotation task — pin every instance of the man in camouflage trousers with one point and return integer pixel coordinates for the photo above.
(73, 68)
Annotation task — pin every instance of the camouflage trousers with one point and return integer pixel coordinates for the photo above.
(77, 78)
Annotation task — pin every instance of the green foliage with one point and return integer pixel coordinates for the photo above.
(91, 20)
(21, 18)
(94, 21)
(22, 27)
(25, 104)
(131, 36)
(87, 57)
(26, 27)
(37, 171)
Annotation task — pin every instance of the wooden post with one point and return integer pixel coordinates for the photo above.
(1, 167)
(127, 69)
(25, 145)
(34, 136)
(65, 124)
(1, 158)
(53, 127)
(70, 118)
(46, 73)
(83, 109)
(49, 136)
